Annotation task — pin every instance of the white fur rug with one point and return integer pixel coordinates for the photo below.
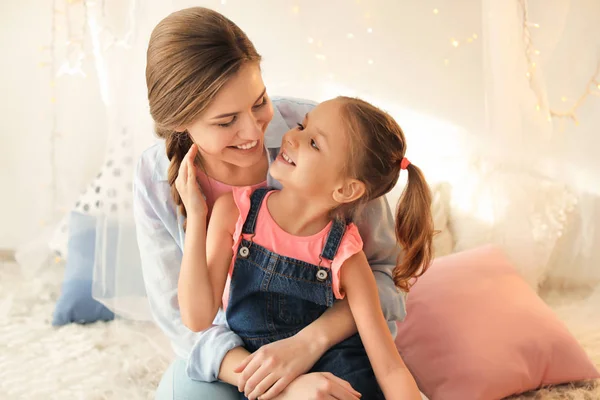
(123, 360)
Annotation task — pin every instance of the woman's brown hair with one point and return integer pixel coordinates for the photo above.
(192, 53)
(377, 149)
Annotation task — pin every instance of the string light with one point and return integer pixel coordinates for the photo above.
(369, 30)
(571, 113)
(436, 11)
(311, 40)
(296, 9)
(350, 36)
(455, 43)
(370, 62)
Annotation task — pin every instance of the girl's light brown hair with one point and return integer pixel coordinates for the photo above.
(377, 147)
(192, 53)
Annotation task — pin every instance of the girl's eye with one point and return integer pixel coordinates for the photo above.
(228, 124)
(314, 144)
(300, 126)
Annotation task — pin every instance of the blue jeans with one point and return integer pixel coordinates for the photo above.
(176, 385)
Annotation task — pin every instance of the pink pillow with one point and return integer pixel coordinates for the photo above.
(475, 330)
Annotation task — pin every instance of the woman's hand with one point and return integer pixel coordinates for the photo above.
(319, 386)
(268, 371)
(188, 187)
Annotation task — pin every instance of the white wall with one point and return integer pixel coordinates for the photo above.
(407, 45)
(311, 48)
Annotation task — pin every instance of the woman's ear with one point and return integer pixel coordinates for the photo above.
(350, 191)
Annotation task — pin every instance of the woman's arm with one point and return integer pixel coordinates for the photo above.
(359, 285)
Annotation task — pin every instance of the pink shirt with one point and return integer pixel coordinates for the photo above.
(271, 236)
(213, 189)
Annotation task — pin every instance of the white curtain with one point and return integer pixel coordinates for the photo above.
(477, 86)
(535, 189)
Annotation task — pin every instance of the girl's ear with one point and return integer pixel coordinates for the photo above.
(349, 191)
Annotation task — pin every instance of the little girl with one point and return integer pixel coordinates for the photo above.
(285, 255)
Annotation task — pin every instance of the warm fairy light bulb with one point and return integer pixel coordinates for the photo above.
(369, 30)
(436, 11)
(455, 43)
(296, 9)
(350, 36)
(370, 62)
(311, 40)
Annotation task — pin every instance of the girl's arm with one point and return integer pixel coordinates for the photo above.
(358, 283)
(200, 287)
(207, 256)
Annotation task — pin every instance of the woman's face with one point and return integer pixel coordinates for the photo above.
(232, 128)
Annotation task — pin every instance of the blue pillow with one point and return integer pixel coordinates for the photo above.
(76, 304)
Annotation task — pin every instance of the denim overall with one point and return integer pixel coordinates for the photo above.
(273, 297)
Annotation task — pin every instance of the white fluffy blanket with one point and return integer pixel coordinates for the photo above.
(123, 360)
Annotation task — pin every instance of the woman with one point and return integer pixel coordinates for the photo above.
(205, 87)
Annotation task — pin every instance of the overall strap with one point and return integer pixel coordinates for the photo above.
(256, 199)
(334, 238)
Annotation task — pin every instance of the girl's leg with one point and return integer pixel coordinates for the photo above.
(176, 385)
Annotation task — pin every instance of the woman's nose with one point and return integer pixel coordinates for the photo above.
(252, 130)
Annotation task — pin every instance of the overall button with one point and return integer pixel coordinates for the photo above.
(244, 252)
(321, 275)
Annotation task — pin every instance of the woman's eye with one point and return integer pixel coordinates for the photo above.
(300, 126)
(228, 124)
(314, 144)
(264, 101)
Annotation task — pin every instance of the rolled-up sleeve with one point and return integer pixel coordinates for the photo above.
(159, 240)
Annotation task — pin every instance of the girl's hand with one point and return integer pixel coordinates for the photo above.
(268, 371)
(188, 187)
(319, 386)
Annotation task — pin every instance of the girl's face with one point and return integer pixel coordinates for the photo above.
(314, 154)
(232, 128)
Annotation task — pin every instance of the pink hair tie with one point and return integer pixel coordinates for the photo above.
(404, 163)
